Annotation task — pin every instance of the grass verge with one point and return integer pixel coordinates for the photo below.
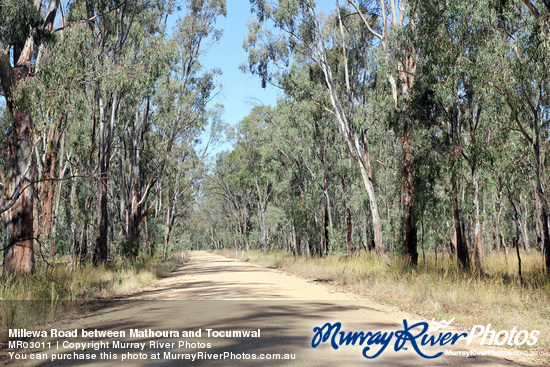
(62, 291)
(435, 288)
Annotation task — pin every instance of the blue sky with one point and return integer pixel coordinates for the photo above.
(240, 91)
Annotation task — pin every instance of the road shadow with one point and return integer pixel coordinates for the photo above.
(286, 327)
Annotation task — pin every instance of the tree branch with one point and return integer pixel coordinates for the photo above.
(91, 19)
(377, 35)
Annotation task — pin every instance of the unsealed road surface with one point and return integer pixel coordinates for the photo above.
(221, 294)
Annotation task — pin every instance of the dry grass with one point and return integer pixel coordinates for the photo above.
(61, 291)
(438, 290)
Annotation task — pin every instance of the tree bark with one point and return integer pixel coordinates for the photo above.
(356, 142)
(327, 225)
(542, 198)
(478, 246)
(48, 186)
(461, 246)
(462, 255)
(523, 223)
(18, 219)
(411, 238)
(75, 247)
(101, 249)
(55, 217)
(168, 218)
(538, 223)
(544, 222)
(263, 232)
(366, 173)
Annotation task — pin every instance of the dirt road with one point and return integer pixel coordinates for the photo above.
(216, 295)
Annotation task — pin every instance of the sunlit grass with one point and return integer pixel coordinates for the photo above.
(63, 290)
(495, 296)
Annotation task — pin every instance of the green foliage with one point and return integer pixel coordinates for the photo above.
(459, 71)
(19, 19)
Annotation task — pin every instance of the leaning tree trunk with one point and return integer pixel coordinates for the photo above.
(357, 145)
(366, 174)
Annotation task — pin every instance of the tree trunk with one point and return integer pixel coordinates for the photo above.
(461, 245)
(411, 237)
(48, 187)
(327, 225)
(462, 255)
(101, 249)
(18, 201)
(538, 223)
(516, 245)
(357, 146)
(523, 223)
(349, 232)
(133, 228)
(148, 247)
(541, 195)
(55, 218)
(75, 248)
(478, 246)
(366, 173)
(18, 219)
(168, 218)
(263, 232)
(544, 222)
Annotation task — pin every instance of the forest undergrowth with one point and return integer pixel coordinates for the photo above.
(62, 290)
(436, 288)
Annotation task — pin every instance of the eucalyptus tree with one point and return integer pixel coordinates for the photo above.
(304, 138)
(524, 84)
(182, 101)
(174, 107)
(109, 27)
(458, 65)
(22, 30)
(389, 23)
(231, 182)
(183, 177)
(289, 32)
(294, 134)
(259, 164)
(150, 94)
